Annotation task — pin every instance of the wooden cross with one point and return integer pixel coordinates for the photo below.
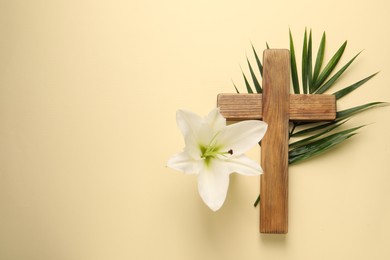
(276, 106)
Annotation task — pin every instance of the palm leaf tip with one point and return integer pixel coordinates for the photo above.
(358, 109)
(254, 78)
(304, 63)
(238, 92)
(335, 77)
(318, 63)
(309, 62)
(345, 91)
(330, 66)
(248, 86)
(259, 65)
(294, 72)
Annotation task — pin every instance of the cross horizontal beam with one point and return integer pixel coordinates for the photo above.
(238, 107)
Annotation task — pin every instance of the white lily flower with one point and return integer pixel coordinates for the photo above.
(214, 151)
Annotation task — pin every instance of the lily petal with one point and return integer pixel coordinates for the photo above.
(216, 121)
(192, 147)
(185, 163)
(242, 136)
(213, 183)
(243, 165)
(188, 122)
(204, 135)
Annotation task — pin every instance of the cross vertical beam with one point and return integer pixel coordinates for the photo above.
(274, 146)
(276, 107)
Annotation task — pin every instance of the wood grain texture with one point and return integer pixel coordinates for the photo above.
(274, 146)
(312, 107)
(276, 107)
(237, 107)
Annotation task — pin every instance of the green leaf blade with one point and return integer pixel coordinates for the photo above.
(309, 65)
(259, 65)
(345, 91)
(304, 63)
(254, 78)
(238, 92)
(319, 61)
(248, 86)
(312, 129)
(315, 145)
(319, 150)
(335, 77)
(294, 73)
(330, 66)
(340, 115)
(305, 141)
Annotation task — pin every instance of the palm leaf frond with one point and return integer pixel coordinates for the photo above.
(254, 78)
(311, 146)
(318, 148)
(294, 72)
(319, 61)
(345, 91)
(304, 64)
(235, 87)
(305, 141)
(329, 67)
(309, 63)
(311, 129)
(318, 137)
(340, 116)
(335, 77)
(259, 65)
(354, 110)
(248, 86)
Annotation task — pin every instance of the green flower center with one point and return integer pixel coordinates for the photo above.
(212, 150)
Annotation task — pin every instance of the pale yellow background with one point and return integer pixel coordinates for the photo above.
(88, 95)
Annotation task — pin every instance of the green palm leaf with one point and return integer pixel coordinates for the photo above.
(308, 139)
(294, 73)
(333, 79)
(354, 110)
(309, 63)
(248, 86)
(254, 78)
(304, 64)
(238, 92)
(307, 76)
(318, 148)
(259, 65)
(315, 80)
(319, 60)
(329, 67)
(313, 146)
(311, 129)
(345, 91)
(341, 115)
